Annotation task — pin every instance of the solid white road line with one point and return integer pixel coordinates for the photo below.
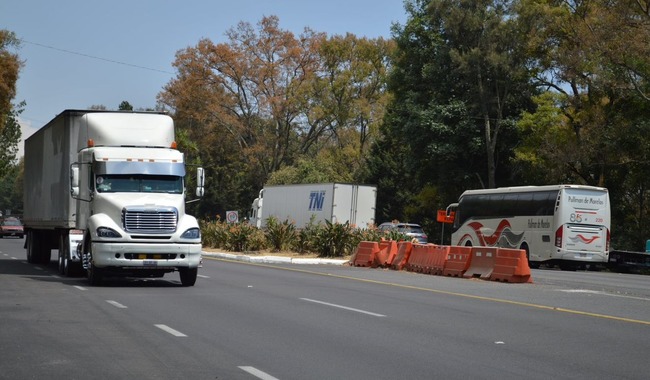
(170, 330)
(585, 291)
(257, 373)
(344, 307)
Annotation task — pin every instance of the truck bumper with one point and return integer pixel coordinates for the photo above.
(146, 256)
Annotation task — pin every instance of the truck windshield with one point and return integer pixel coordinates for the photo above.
(130, 183)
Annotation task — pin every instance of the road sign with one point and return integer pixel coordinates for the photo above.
(232, 216)
(444, 218)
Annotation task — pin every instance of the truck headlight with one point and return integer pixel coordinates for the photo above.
(105, 232)
(192, 233)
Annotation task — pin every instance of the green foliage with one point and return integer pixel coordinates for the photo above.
(125, 106)
(10, 65)
(327, 240)
(242, 237)
(307, 171)
(213, 234)
(307, 236)
(396, 235)
(233, 237)
(369, 234)
(280, 236)
(10, 135)
(334, 240)
(270, 107)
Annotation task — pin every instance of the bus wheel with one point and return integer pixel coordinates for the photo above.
(531, 264)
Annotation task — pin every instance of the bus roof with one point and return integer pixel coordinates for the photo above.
(525, 189)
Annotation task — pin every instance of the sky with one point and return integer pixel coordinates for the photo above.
(79, 53)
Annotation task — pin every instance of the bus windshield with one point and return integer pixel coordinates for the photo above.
(130, 183)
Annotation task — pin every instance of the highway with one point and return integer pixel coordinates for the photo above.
(282, 321)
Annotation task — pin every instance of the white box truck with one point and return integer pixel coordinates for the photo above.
(333, 202)
(116, 178)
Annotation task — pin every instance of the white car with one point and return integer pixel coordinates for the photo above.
(412, 230)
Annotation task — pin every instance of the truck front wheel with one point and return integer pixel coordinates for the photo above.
(95, 275)
(188, 276)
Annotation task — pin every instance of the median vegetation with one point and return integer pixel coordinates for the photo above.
(324, 239)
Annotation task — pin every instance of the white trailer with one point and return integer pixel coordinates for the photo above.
(116, 178)
(320, 202)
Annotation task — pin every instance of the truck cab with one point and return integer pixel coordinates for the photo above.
(128, 182)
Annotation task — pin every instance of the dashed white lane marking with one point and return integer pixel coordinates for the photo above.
(170, 330)
(344, 307)
(257, 373)
(80, 287)
(116, 304)
(202, 276)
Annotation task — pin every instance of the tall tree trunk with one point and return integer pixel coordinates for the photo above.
(489, 147)
(489, 143)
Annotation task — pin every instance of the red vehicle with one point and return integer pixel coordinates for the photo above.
(11, 227)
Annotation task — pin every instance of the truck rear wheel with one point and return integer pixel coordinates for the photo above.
(62, 253)
(38, 250)
(71, 268)
(32, 247)
(188, 276)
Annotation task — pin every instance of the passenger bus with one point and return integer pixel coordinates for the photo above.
(568, 225)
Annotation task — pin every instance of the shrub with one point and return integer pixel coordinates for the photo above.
(213, 234)
(334, 240)
(395, 235)
(306, 237)
(371, 234)
(233, 237)
(243, 237)
(280, 236)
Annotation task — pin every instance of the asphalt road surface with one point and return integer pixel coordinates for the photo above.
(251, 321)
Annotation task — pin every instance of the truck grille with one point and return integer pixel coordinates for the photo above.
(152, 220)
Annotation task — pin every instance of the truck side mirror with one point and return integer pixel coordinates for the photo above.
(200, 182)
(74, 180)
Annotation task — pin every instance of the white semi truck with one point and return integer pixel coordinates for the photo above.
(320, 202)
(116, 178)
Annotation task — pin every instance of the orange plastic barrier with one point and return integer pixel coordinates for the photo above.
(387, 252)
(481, 262)
(457, 261)
(429, 259)
(439, 255)
(418, 260)
(511, 265)
(366, 252)
(403, 254)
